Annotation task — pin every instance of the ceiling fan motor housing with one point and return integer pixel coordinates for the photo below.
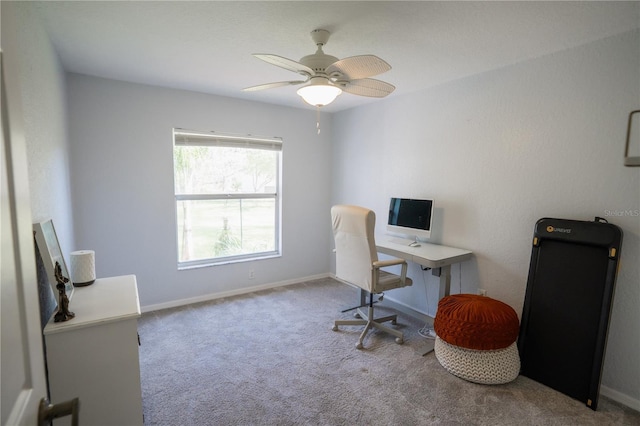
(318, 62)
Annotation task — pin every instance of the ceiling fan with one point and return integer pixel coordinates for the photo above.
(327, 76)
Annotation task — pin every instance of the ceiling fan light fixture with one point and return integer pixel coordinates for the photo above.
(319, 92)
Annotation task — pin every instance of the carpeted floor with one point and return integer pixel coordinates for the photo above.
(270, 358)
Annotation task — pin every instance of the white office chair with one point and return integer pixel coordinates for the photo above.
(357, 264)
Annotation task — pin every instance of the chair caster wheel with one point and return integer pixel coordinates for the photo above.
(394, 322)
(357, 315)
(399, 340)
(334, 328)
(358, 345)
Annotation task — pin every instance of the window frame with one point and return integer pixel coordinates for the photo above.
(182, 137)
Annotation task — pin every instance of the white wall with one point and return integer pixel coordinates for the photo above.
(25, 42)
(122, 182)
(497, 152)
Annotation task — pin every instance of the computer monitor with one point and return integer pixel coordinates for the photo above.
(411, 217)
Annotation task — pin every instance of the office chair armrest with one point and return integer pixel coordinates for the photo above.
(391, 262)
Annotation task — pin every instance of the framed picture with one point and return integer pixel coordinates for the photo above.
(632, 148)
(49, 247)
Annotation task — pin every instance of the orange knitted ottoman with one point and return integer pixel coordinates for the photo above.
(476, 338)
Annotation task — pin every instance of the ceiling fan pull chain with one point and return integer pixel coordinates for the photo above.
(318, 118)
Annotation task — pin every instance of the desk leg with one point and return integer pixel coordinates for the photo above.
(445, 280)
(445, 288)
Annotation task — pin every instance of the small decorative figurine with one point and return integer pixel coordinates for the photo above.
(63, 313)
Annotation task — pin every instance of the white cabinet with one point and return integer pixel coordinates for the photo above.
(94, 356)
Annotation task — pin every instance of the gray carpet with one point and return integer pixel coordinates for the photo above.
(270, 358)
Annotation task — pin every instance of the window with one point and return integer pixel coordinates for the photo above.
(227, 191)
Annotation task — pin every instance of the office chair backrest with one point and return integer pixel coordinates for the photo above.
(353, 231)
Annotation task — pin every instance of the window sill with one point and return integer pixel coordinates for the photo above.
(208, 264)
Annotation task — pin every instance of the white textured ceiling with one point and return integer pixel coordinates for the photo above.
(206, 46)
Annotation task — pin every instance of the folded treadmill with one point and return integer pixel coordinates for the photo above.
(563, 330)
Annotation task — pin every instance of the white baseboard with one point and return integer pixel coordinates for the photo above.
(220, 295)
(619, 397)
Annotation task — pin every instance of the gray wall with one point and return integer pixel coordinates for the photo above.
(122, 182)
(498, 151)
(27, 45)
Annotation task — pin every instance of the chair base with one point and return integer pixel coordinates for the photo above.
(367, 319)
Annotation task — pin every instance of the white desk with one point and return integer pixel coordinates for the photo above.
(437, 257)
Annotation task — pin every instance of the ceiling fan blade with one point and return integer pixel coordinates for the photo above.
(285, 63)
(367, 87)
(355, 67)
(273, 85)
